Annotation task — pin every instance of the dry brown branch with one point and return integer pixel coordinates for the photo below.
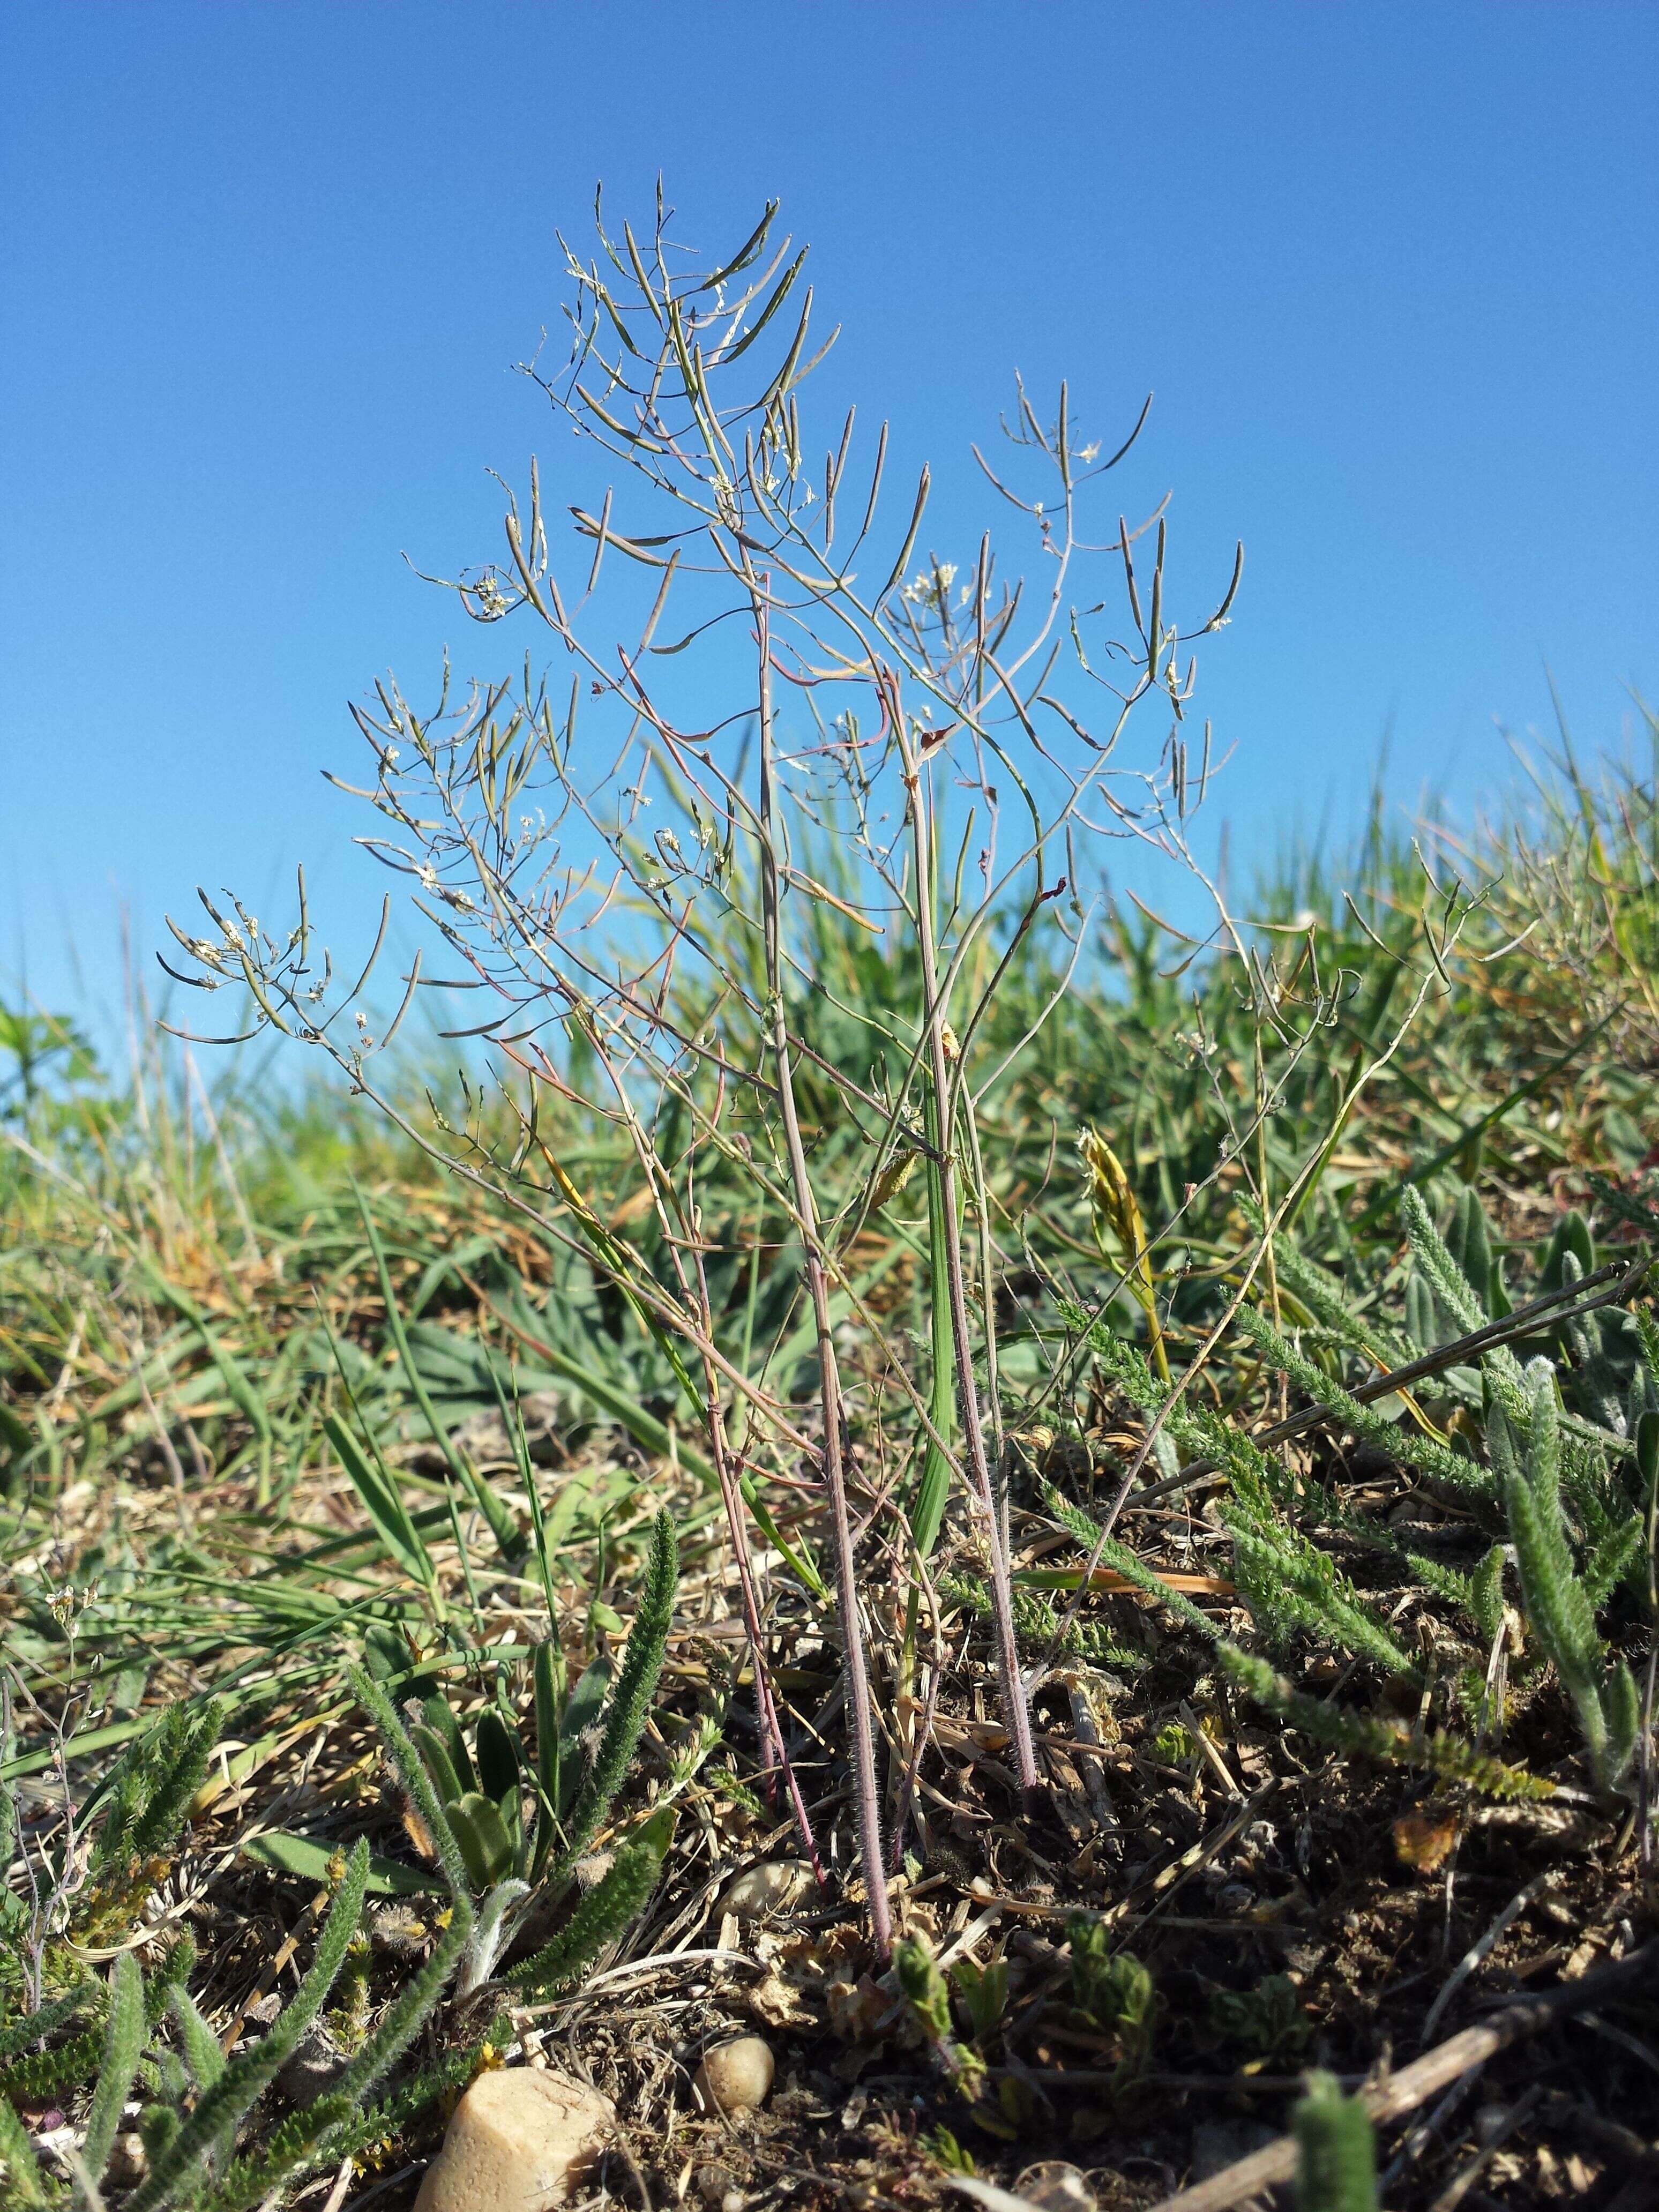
(1402, 2092)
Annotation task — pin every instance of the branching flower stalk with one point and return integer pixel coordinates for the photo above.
(630, 915)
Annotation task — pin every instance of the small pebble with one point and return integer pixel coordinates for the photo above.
(313, 2070)
(735, 2077)
(127, 2160)
(1054, 2186)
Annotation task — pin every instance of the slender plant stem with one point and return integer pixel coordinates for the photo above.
(860, 1722)
(987, 1294)
(773, 1749)
(1015, 1711)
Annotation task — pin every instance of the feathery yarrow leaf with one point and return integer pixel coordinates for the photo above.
(125, 2033)
(630, 1697)
(609, 1908)
(22, 2182)
(1088, 1535)
(1360, 1735)
(211, 2127)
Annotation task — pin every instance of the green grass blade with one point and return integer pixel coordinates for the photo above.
(500, 1522)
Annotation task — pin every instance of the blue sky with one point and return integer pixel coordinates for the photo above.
(1388, 269)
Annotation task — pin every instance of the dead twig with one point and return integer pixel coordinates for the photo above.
(1414, 2085)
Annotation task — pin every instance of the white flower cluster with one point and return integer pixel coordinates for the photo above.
(929, 587)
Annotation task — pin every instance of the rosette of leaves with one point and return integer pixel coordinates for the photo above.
(585, 1740)
(1113, 1993)
(147, 2034)
(585, 1744)
(1265, 2022)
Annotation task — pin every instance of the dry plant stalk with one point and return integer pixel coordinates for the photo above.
(937, 766)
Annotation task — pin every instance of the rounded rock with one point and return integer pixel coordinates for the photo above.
(128, 2161)
(1054, 2186)
(314, 2067)
(519, 2138)
(735, 2077)
(774, 1886)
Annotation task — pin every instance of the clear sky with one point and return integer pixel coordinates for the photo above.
(1389, 269)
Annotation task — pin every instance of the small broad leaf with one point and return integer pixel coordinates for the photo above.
(496, 1749)
(311, 1860)
(435, 1712)
(482, 1834)
(435, 1757)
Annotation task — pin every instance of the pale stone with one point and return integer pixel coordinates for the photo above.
(128, 2161)
(735, 2077)
(773, 1887)
(1054, 2186)
(520, 2141)
(313, 2070)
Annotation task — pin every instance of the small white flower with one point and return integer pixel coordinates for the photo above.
(929, 585)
